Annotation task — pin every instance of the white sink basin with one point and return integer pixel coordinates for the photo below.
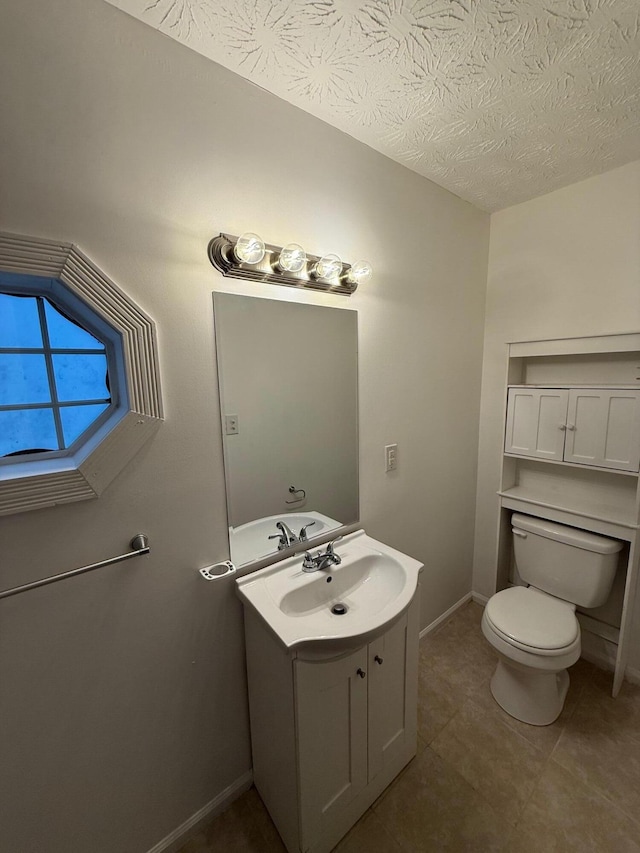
(373, 583)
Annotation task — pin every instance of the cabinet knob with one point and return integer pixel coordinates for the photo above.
(571, 427)
(362, 673)
(562, 427)
(379, 660)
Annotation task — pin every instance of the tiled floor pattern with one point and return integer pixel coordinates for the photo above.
(483, 781)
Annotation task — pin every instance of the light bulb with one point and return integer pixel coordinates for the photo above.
(292, 258)
(359, 272)
(249, 248)
(328, 267)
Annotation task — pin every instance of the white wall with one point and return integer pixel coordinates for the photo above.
(122, 692)
(562, 265)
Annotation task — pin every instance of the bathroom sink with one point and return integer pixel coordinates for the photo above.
(348, 602)
(368, 582)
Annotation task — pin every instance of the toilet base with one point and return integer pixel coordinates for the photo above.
(528, 695)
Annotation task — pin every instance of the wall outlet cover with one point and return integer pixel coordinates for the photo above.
(231, 425)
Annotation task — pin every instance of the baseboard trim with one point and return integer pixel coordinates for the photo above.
(433, 625)
(633, 675)
(172, 842)
(602, 661)
(602, 653)
(479, 599)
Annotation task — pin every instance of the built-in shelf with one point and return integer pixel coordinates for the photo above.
(584, 511)
(553, 482)
(582, 386)
(598, 468)
(592, 345)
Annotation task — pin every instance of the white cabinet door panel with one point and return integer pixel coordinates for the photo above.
(585, 428)
(603, 428)
(622, 444)
(332, 737)
(535, 422)
(390, 714)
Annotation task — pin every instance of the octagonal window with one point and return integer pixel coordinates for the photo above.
(79, 377)
(55, 381)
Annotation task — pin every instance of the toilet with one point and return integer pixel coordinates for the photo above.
(534, 628)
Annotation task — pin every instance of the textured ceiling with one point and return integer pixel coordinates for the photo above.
(496, 100)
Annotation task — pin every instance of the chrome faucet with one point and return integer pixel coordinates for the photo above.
(321, 560)
(286, 536)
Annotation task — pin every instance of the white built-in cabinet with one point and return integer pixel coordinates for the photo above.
(572, 453)
(330, 730)
(585, 426)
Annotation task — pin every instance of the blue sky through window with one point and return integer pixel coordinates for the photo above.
(23, 379)
(19, 322)
(65, 334)
(80, 377)
(76, 419)
(27, 429)
(53, 376)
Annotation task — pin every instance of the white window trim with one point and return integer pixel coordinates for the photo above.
(35, 484)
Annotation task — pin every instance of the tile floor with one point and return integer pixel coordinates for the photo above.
(483, 781)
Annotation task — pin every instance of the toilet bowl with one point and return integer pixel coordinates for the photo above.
(534, 628)
(537, 637)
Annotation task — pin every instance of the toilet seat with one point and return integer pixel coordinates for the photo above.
(533, 621)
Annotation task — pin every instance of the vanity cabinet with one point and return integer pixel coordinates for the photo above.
(330, 730)
(584, 426)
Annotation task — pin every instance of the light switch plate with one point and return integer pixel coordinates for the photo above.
(391, 457)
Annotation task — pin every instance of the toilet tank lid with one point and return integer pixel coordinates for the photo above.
(562, 533)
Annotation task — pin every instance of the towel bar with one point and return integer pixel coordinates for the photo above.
(140, 544)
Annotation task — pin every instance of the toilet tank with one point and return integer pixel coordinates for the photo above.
(564, 561)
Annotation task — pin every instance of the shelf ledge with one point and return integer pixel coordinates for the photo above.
(576, 466)
(593, 344)
(585, 518)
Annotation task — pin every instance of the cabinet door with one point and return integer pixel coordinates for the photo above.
(536, 420)
(331, 707)
(393, 702)
(603, 428)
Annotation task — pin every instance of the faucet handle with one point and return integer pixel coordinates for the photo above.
(302, 536)
(283, 542)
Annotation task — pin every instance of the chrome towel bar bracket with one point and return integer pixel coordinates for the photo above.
(139, 543)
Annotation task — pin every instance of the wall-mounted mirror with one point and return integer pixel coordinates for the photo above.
(288, 383)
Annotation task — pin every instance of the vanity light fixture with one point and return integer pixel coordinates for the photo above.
(249, 248)
(360, 272)
(249, 257)
(328, 267)
(292, 258)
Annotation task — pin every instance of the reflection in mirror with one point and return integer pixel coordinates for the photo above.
(287, 376)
